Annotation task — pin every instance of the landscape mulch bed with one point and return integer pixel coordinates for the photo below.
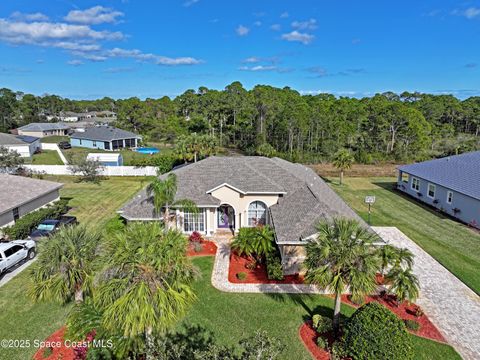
(208, 248)
(56, 352)
(309, 339)
(258, 275)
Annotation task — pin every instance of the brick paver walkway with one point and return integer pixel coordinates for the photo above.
(452, 306)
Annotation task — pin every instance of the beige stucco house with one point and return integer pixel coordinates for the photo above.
(234, 192)
(44, 129)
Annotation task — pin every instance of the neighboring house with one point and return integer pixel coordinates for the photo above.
(80, 126)
(44, 129)
(26, 146)
(450, 184)
(20, 195)
(235, 192)
(105, 138)
(107, 159)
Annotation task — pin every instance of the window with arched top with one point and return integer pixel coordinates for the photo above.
(257, 213)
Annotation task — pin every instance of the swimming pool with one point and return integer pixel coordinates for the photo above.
(147, 150)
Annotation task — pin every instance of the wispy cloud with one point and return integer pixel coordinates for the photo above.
(75, 62)
(320, 71)
(93, 16)
(242, 30)
(156, 59)
(28, 17)
(310, 24)
(284, 15)
(256, 59)
(117, 70)
(469, 13)
(356, 41)
(258, 68)
(276, 27)
(297, 36)
(257, 23)
(190, 3)
(471, 65)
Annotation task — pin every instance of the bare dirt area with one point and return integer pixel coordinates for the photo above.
(357, 170)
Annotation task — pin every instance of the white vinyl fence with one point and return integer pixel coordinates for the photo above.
(47, 146)
(106, 170)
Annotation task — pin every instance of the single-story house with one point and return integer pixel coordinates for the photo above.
(105, 138)
(107, 159)
(25, 145)
(20, 195)
(235, 192)
(450, 184)
(41, 130)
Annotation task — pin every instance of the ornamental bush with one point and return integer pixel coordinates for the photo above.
(412, 325)
(374, 332)
(322, 343)
(274, 267)
(321, 323)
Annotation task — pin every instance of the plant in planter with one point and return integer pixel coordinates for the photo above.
(255, 243)
(197, 247)
(412, 325)
(195, 237)
(322, 343)
(241, 276)
(418, 311)
(321, 323)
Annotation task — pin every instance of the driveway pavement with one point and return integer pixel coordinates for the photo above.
(452, 306)
(17, 269)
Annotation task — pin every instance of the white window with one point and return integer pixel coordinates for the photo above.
(415, 184)
(257, 213)
(431, 191)
(94, 143)
(405, 177)
(449, 197)
(194, 221)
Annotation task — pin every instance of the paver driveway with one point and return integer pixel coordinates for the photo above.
(452, 306)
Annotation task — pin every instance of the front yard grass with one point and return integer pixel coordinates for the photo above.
(46, 157)
(54, 139)
(454, 245)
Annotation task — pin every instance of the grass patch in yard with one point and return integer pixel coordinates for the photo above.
(46, 157)
(55, 139)
(233, 316)
(453, 244)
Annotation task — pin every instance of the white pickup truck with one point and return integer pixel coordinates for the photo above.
(11, 253)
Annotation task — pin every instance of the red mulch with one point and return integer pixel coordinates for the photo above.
(208, 248)
(309, 339)
(258, 275)
(59, 351)
(405, 312)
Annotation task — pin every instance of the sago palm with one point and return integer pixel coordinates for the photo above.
(65, 266)
(163, 194)
(403, 283)
(145, 287)
(341, 257)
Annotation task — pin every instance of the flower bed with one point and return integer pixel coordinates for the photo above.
(309, 339)
(55, 352)
(207, 248)
(238, 264)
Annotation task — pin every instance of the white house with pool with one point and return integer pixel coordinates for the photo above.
(244, 191)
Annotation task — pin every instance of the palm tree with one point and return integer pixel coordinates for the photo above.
(403, 284)
(163, 195)
(65, 265)
(343, 160)
(144, 288)
(387, 254)
(342, 256)
(256, 242)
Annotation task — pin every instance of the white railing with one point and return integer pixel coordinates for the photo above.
(105, 171)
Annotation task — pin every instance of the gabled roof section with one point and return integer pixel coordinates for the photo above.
(44, 127)
(104, 133)
(460, 173)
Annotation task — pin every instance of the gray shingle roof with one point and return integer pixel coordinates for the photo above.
(18, 190)
(104, 133)
(306, 197)
(460, 173)
(44, 127)
(7, 139)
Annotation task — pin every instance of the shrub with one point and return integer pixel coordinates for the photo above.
(322, 343)
(254, 241)
(274, 267)
(197, 247)
(241, 276)
(163, 162)
(418, 311)
(195, 237)
(265, 149)
(412, 325)
(321, 323)
(24, 226)
(374, 332)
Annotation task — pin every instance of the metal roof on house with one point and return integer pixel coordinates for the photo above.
(7, 139)
(460, 173)
(19, 190)
(104, 133)
(44, 127)
(305, 199)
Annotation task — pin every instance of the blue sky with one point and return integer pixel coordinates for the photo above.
(122, 48)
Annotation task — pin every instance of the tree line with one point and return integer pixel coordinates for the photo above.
(266, 119)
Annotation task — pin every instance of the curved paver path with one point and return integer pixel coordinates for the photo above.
(452, 306)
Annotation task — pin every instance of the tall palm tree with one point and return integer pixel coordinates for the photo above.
(343, 160)
(144, 288)
(65, 266)
(342, 256)
(163, 195)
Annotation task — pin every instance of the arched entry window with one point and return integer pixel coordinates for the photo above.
(257, 213)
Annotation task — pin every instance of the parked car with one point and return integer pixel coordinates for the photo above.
(49, 226)
(11, 253)
(64, 145)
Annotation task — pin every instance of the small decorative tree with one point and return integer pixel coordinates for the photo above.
(88, 169)
(256, 242)
(343, 160)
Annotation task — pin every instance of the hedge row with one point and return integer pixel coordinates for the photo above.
(24, 226)
(164, 162)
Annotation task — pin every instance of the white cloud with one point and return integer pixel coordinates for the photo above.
(190, 3)
(470, 13)
(276, 27)
(304, 38)
(284, 15)
(117, 70)
(28, 17)
(310, 24)
(257, 23)
(75, 62)
(242, 30)
(93, 16)
(252, 59)
(156, 59)
(258, 68)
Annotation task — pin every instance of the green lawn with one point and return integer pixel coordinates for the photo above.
(46, 157)
(453, 244)
(55, 139)
(232, 316)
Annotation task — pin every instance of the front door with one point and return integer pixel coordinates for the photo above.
(225, 217)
